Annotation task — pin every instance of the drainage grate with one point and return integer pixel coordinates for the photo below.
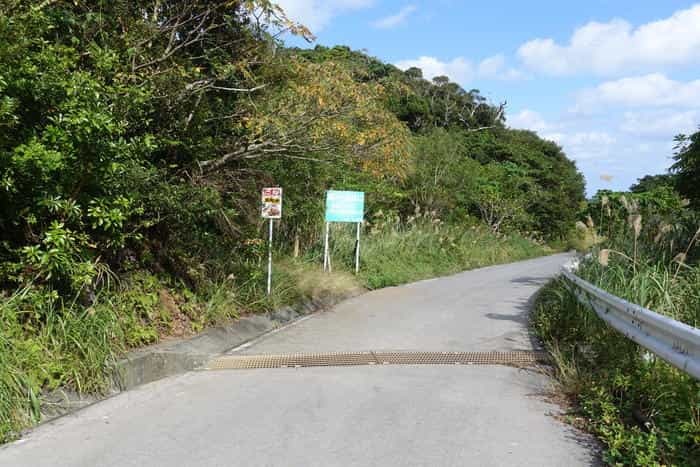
(240, 362)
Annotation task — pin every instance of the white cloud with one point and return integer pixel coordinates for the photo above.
(492, 65)
(606, 48)
(528, 119)
(589, 145)
(458, 70)
(317, 14)
(587, 138)
(495, 67)
(653, 90)
(395, 20)
(578, 144)
(662, 123)
(584, 145)
(461, 70)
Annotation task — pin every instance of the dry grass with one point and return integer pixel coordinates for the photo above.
(569, 378)
(311, 281)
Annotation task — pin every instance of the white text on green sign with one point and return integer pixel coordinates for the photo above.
(345, 206)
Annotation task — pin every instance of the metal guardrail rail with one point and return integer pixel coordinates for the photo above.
(673, 341)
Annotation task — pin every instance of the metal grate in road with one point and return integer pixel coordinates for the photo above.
(240, 362)
(517, 358)
(235, 362)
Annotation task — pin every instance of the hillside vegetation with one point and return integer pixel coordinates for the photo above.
(135, 137)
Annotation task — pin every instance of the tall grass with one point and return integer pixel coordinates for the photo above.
(653, 285)
(396, 253)
(18, 402)
(44, 347)
(645, 411)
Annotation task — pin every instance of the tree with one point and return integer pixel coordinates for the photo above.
(652, 182)
(500, 195)
(421, 103)
(105, 109)
(319, 113)
(686, 166)
(443, 175)
(554, 205)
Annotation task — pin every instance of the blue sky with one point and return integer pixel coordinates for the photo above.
(611, 81)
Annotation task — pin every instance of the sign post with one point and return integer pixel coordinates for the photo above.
(271, 210)
(357, 249)
(269, 260)
(344, 206)
(326, 256)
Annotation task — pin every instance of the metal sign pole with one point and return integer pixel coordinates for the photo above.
(269, 261)
(325, 249)
(357, 249)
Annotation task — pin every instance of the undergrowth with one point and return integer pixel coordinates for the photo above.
(645, 411)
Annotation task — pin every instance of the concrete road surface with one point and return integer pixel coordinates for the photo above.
(346, 416)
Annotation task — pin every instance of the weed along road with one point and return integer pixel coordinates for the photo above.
(397, 408)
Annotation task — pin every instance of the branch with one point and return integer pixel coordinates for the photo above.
(287, 149)
(198, 32)
(194, 109)
(481, 128)
(253, 89)
(472, 113)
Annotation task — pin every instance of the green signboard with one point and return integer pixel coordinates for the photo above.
(345, 206)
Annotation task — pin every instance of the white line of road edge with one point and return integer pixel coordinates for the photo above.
(252, 342)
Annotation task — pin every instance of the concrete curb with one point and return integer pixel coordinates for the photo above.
(170, 358)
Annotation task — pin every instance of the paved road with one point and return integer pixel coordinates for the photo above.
(479, 310)
(345, 416)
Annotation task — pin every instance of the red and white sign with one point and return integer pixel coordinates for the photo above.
(272, 203)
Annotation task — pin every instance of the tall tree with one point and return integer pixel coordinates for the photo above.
(687, 166)
(652, 182)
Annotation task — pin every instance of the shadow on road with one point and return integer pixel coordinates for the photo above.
(523, 308)
(531, 280)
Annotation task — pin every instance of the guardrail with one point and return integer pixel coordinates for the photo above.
(673, 341)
